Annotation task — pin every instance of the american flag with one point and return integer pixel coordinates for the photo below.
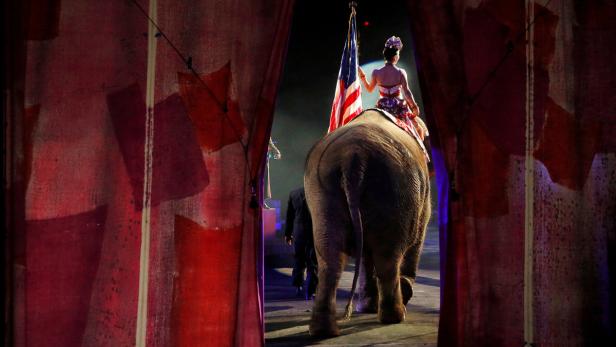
(347, 100)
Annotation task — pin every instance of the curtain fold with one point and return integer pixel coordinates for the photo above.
(472, 67)
(78, 141)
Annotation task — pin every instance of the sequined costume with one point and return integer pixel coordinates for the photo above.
(390, 100)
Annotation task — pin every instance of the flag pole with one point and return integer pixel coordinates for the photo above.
(359, 241)
(352, 6)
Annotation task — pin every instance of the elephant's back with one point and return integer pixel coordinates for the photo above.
(372, 137)
(387, 157)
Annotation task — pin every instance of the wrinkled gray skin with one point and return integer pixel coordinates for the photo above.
(367, 180)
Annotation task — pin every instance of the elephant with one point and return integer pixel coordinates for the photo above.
(367, 187)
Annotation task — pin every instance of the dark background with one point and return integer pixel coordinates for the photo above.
(307, 88)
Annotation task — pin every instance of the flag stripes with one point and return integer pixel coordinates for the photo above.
(347, 98)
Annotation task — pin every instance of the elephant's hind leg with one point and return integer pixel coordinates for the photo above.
(408, 271)
(410, 263)
(391, 308)
(369, 293)
(331, 262)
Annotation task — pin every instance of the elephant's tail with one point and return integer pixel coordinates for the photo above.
(352, 178)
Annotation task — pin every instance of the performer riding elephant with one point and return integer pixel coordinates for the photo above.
(367, 187)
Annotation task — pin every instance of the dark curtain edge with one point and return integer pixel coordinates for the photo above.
(14, 60)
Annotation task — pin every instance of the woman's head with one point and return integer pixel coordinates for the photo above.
(391, 52)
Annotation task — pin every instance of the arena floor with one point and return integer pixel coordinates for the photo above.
(287, 317)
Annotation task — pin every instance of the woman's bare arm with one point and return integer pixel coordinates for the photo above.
(369, 86)
(408, 96)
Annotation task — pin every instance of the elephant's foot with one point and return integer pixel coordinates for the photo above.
(323, 324)
(407, 290)
(368, 305)
(391, 311)
(392, 315)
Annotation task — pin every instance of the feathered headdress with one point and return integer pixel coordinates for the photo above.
(394, 42)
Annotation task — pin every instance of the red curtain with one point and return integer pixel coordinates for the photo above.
(79, 92)
(77, 95)
(472, 66)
